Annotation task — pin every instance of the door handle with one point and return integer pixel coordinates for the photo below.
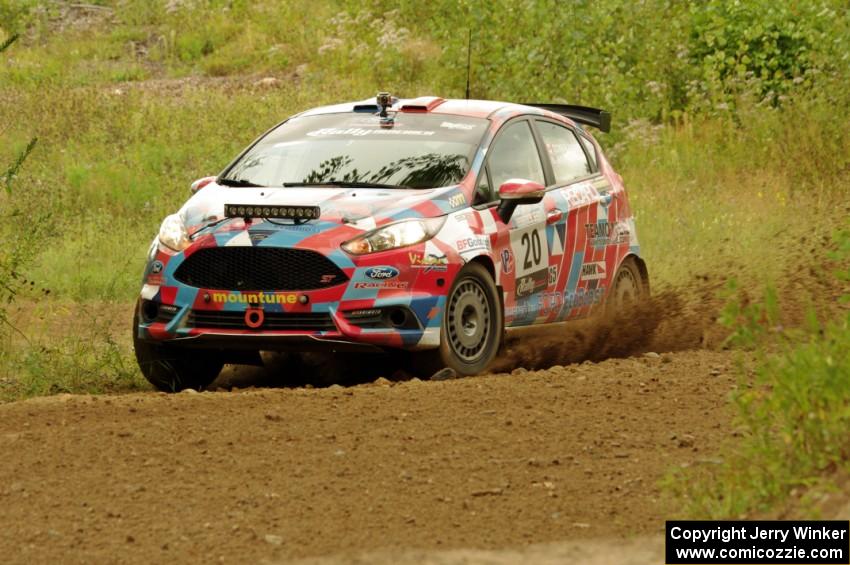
(554, 215)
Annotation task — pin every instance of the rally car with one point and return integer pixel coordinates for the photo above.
(428, 225)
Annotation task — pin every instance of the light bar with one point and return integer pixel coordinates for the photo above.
(275, 212)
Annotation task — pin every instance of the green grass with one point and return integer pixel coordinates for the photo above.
(793, 416)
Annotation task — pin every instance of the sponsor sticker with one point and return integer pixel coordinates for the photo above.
(454, 125)
(604, 232)
(583, 297)
(361, 132)
(593, 271)
(254, 298)
(473, 242)
(428, 262)
(456, 200)
(155, 273)
(464, 218)
(579, 195)
(382, 273)
(532, 283)
(507, 261)
(383, 285)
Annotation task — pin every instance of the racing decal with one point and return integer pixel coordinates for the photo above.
(457, 200)
(531, 251)
(593, 271)
(384, 284)
(381, 273)
(360, 132)
(154, 276)
(465, 218)
(254, 297)
(579, 195)
(604, 233)
(453, 125)
(553, 275)
(428, 261)
(507, 261)
(473, 243)
(584, 297)
(599, 233)
(532, 283)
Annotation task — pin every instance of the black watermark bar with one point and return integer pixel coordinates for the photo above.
(821, 542)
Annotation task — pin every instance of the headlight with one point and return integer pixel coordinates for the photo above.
(393, 236)
(173, 233)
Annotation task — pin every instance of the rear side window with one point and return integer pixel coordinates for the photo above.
(514, 156)
(568, 159)
(591, 152)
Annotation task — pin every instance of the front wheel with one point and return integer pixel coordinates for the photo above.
(472, 325)
(172, 369)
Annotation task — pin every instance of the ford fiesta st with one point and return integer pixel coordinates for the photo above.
(427, 225)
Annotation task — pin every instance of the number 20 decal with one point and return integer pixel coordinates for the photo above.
(531, 250)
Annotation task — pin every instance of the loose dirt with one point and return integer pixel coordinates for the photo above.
(491, 462)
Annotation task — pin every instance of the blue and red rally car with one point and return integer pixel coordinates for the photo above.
(424, 224)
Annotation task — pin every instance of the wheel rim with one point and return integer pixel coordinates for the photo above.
(468, 320)
(626, 289)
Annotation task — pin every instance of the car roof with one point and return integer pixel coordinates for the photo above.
(436, 105)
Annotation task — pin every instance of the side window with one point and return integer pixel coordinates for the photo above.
(514, 156)
(566, 155)
(591, 152)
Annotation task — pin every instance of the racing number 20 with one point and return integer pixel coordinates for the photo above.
(533, 249)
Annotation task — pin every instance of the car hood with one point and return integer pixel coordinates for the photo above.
(358, 207)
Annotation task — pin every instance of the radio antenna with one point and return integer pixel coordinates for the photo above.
(468, 60)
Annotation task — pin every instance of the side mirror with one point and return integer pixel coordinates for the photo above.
(515, 192)
(200, 183)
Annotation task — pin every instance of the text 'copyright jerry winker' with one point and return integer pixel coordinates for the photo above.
(695, 542)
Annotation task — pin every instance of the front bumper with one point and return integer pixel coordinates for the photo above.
(361, 314)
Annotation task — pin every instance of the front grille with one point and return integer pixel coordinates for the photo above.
(296, 321)
(258, 268)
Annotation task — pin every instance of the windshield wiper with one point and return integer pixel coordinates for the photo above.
(240, 182)
(344, 184)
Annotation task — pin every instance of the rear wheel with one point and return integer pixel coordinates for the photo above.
(629, 287)
(472, 326)
(172, 369)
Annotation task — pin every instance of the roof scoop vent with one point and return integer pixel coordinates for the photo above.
(422, 104)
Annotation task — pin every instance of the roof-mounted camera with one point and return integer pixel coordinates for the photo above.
(385, 99)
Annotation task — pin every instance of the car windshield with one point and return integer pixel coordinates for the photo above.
(414, 151)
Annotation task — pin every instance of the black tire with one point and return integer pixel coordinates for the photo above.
(629, 288)
(473, 323)
(172, 369)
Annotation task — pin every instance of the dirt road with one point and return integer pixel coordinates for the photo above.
(498, 461)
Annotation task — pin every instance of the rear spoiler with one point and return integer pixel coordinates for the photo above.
(582, 114)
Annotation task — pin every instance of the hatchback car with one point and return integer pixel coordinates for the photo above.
(427, 225)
